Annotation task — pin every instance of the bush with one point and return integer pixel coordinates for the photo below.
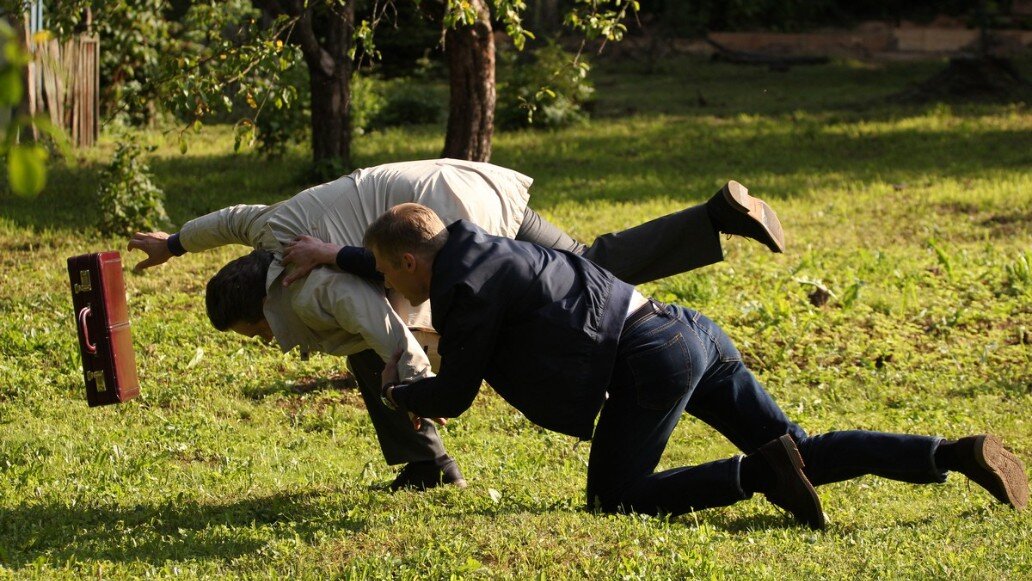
(411, 106)
(544, 87)
(129, 200)
(378, 104)
(366, 101)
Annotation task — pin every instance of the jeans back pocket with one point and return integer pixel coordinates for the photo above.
(662, 373)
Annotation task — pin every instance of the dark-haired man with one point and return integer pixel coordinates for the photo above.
(342, 314)
(600, 349)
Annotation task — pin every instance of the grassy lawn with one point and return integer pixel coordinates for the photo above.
(238, 460)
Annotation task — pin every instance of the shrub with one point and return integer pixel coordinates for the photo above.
(407, 105)
(367, 100)
(378, 104)
(545, 87)
(129, 200)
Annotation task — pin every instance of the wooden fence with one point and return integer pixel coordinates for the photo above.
(64, 81)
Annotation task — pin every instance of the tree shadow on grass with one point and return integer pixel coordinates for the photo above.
(154, 534)
(682, 160)
(193, 185)
(634, 160)
(715, 519)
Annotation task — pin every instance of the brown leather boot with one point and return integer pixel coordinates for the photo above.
(792, 492)
(733, 211)
(985, 460)
(429, 474)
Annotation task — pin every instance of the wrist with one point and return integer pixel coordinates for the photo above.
(175, 247)
(328, 254)
(387, 395)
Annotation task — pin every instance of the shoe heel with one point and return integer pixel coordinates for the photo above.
(793, 451)
(1010, 470)
(738, 196)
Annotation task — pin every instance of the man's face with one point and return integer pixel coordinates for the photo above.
(409, 275)
(259, 328)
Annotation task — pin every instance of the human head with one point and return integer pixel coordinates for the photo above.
(235, 296)
(405, 240)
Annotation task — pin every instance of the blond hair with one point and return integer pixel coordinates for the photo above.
(411, 228)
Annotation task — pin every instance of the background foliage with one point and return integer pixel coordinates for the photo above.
(129, 200)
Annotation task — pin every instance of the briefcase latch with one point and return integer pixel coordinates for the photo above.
(98, 379)
(83, 286)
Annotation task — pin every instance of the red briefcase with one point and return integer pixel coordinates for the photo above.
(98, 296)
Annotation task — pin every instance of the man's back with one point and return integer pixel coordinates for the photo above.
(541, 326)
(490, 196)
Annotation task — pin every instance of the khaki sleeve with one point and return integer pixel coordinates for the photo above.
(234, 225)
(360, 307)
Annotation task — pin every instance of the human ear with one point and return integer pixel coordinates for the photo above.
(408, 261)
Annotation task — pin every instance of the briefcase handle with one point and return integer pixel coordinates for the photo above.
(90, 347)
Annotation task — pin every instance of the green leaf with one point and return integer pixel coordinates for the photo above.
(27, 169)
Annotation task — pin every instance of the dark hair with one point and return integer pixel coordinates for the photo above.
(237, 291)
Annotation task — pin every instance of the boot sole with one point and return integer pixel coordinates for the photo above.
(1007, 468)
(738, 196)
(817, 521)
(814, 518)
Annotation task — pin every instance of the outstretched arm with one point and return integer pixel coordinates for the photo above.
(241, 224)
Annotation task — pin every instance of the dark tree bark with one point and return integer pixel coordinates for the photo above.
(325, 34)
(470, 51)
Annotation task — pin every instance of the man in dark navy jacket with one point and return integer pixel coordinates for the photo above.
(561, 339)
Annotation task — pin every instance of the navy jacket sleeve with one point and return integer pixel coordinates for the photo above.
(175, 246)
(359, 262)
(467, 344)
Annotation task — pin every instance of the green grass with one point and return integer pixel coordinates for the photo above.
(238, 460)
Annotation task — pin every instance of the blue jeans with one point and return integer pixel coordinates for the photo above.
(675, 360)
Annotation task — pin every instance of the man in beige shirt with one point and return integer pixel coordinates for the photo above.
(340, 313)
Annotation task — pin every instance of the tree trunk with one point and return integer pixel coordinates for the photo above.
(470, 51)
(331, 121)
(324, 32)
(545, 17)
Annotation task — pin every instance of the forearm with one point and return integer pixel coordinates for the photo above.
(359, 307)
(234, 225)
(434, 397)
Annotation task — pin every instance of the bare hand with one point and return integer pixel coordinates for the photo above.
(390, 375)
(154, 244)
(417, 422)
(390, 370)
(306, 253)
